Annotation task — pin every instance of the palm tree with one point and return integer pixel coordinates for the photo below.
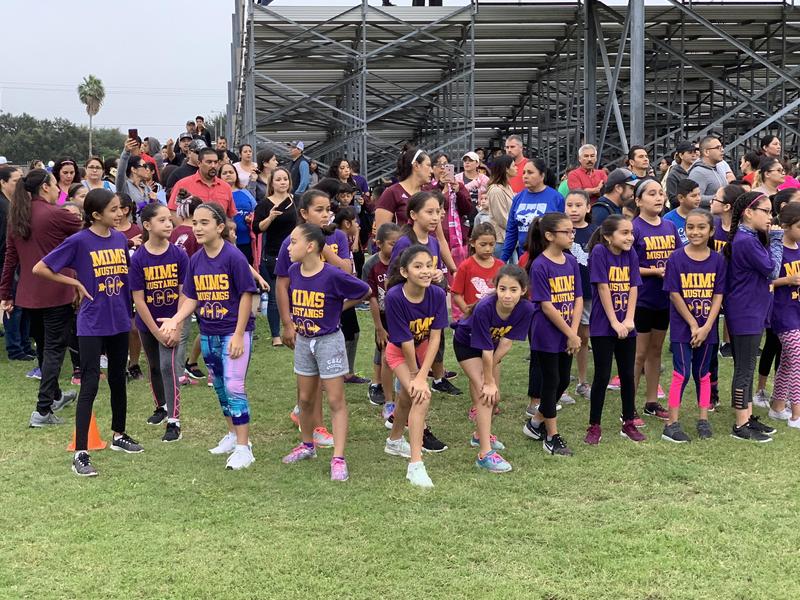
(91, 94)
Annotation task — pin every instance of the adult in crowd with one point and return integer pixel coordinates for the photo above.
(586, 177)
(706, 170)
(457, 207)
(36, 226)
(35, 164)
(685, 155)
(200, 130)
(663, 167)
(361, 181)
(538, 197)
(205, 184)
(266, 163)
(273, 220)
(151, 154)
(770, 176)
(771, 146)
(617, 192)
(222, 144)
(748, 165)
(514, 149)
(473, 180)
(17, 335)
(499, 196)
(110, 169)
(301, 176)
(313, 170)
(189, 166)
(132, 173)
(340, 169)
(177, 153)
(639, 162)
(245, 166)
(94, 175)
(156, 190)
(245, 205)
(65, 170)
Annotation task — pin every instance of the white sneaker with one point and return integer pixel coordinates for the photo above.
(566, 399)
(226, 445)
(783, 415)
(398, 447)
(795, 423)
(241, 458)
(762, 399)
(418, 476)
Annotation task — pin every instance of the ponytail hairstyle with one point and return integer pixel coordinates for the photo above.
(96, 201)
(19, 213)
(789, 215)
(408, 255)
(742, 203)
(186, 204)
(385, 230)
(125, 201)
(499, 171)
(549, 177)
(408, 157)
(312, 233)
(306, 200)
(702, 212)
(782, 198)
(765, 165)
(606, 229)
(416, 204)
(537, 241)
(74, 189)
(730, 193)
(515, 272)
(146, 215)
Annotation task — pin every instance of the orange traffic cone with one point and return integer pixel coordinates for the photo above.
(95, 441)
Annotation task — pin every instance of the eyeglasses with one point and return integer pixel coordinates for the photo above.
(782, 171)
(720, 147)
(570, 232)
(94, 167)
(764, 210)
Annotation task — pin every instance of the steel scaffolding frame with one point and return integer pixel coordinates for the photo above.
(359, 81)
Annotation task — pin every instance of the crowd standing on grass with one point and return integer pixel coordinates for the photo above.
(104, 259)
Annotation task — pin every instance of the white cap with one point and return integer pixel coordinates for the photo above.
(3, 160)
(472, 156)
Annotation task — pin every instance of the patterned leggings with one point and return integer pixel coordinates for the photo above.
(228, 375)
(787, 383)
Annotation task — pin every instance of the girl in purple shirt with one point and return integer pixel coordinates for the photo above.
(615, 278)
(753, 261)
(558, 296)
(786, 321)
(695, 282)
(99, 257)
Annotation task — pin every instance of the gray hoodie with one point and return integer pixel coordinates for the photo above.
(676, 174)
(708, 178)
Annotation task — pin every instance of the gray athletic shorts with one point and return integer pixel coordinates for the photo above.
(324, 356)
(587, 310)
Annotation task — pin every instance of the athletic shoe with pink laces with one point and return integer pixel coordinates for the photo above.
(593, 435)
(298, 453)
(339, 470)
(323, 438)
(637, 420)
(614, 383)
(630, 431)
(661, 395)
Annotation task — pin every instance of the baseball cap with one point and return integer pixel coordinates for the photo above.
(472, 156)
(185, 135)
(299, 145)
(197, 145)
(3, 160)
(686, 147)
(618, 177)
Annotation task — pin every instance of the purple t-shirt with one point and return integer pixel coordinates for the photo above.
(653, 245)
(786, 309)
(337, 241)
(414, 321)
(697, 282)
(218, 284)
(159, 276)
(101, 265)
(484, 328)
(559, 284)
(620, 272)
(748, 299)
(316, 301)
(404, 242)
(720, 235)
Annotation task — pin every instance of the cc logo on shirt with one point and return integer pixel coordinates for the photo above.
(620, 302)
(566, 311)
(163, 298)
(112, 286)
(661, 264)
(306, 327)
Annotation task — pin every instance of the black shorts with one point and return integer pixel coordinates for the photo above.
(647, 319)
(463, 352)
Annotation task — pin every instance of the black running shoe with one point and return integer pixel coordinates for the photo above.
(135, 373)
(447, 374)
(714, 399)
(725, 351)
(445, 387)
(757, 425)
(535, 432)
(376, 395)
(747, 434)
(193, 371)
(704, 430)
(125, 443)
(157, 417)
(430, 443)
(556, 446)
(172, 434)
(82, 465)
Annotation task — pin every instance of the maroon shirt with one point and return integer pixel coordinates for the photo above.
(395, 199)
(50, 225)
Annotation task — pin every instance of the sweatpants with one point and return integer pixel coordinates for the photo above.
(116, 349)
(745, 354)
(694, 362)
(228, 374)
(606, 349)
(50, 328)
(555, 368)
(166, 368)
(787, 382)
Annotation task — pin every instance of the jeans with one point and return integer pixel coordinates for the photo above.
(50, 328)
(17, 326)
(228, 374)
(267, 271)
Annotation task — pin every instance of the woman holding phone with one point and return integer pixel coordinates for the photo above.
(274, 219)
(457, 206)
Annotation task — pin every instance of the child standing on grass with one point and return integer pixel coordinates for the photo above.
(688, 194)
(475, 277)
(786, 321)
(576, 206)
(557, 294)
(654, 240)
(753, 262)
(99, 257)
(614, 273)
(158, 269)
(219, 289)
(376, 274)
(319, 293)
(695, 282)
(416, 313)
(480, 342)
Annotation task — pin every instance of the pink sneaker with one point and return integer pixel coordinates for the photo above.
(593, 435)
(661, 395)
(323, 438)
(473, 414)
(339, 470)
(298, 453)
(630, 431)
(637, 420)
(614, 383)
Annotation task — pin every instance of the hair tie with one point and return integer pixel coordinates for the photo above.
(416, 154)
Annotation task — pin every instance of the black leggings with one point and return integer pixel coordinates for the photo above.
(116, 348)
(605, 349)
(554, 369)
(745, 352)
(534, 377)
(771, 351)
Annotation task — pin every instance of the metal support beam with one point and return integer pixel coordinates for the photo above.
(590, 71)
(637, 20)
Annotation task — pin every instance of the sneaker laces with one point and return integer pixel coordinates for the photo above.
(83, 458)
(557, 442)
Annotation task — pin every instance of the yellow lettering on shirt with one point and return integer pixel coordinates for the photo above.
(619, 279)
(212, 287)
(658, 248)
(792, 268)
(499, 332)
(307, 304)
(421, 328)
(108, 263)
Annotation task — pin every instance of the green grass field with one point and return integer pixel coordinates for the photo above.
(716, 519)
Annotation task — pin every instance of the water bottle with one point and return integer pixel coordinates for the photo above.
(264, 303)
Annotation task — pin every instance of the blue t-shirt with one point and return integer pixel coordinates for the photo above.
(245, 205)
(525, 207)
(680, 223)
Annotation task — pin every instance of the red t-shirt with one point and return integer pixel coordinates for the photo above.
(581, 179)
(377, 278)
(473, 281)
(183, 237)
(219, 192)
(516, 182)
(395, 199)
